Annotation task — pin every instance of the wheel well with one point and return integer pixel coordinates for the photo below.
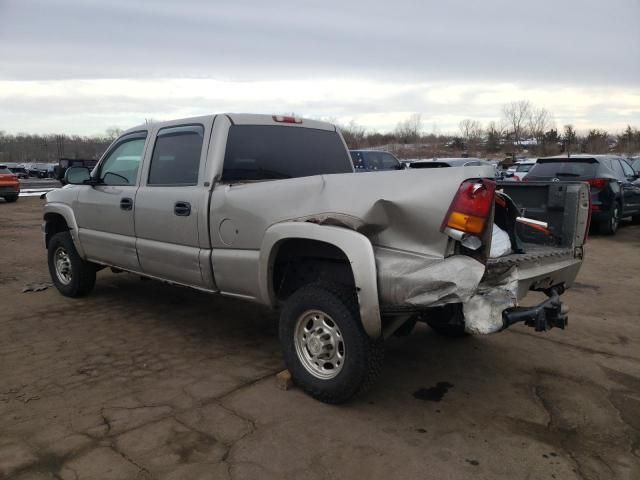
(299, 262)
(54, 223)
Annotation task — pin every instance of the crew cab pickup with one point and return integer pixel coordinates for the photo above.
(269, 209)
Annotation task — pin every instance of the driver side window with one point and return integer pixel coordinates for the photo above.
(121, 166)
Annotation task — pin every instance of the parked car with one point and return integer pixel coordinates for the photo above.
(38, 170)
(18, 170)
(452, 162)
(374, 160)
(270, 209)
(615, 191)
(522, 168)
(9, 184)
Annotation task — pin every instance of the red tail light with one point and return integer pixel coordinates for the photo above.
(598, 183)
(286, 119)
(471, 207)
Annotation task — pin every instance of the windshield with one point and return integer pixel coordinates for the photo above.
(563, 169)
(430, 165)
(525, 167)
(636, 165)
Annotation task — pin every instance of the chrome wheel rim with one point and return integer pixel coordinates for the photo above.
(614, 219)
(62, 262)
(319, 344)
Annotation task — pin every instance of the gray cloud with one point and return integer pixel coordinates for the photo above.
(569, 42)
(446, 60)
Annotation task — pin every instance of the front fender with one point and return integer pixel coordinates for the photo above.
(356, 247)
(66, 212)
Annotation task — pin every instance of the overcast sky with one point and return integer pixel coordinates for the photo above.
(82, 66)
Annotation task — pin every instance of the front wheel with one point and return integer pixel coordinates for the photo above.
(11, 198)
(325, 347)
(71, 275)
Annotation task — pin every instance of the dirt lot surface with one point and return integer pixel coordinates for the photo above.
(144, 380)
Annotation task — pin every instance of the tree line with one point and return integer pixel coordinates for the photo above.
(522, 127)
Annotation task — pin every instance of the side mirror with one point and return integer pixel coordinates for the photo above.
(77, 175)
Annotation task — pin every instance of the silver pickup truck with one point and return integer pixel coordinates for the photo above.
(269, 209)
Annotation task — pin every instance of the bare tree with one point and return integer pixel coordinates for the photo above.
(471, 130)
(409, 130)
(113, 132)
(353, 134)
(516, 114)
(539, 122)
(495, 135)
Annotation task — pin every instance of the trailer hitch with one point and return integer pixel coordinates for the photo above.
(548, 314)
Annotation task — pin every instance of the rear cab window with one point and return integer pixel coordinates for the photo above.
(4, 170)
(268, 152)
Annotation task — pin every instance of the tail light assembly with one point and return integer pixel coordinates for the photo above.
(468, 214)
(598, 183)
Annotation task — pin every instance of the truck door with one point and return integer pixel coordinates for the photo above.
(104, 212)
(169, 204)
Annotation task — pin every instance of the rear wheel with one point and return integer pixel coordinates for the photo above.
(610, 226)
(447, 321)
(71, 275)
(325, 347)
(11, 198)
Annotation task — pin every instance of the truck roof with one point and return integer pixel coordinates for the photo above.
(246, 119)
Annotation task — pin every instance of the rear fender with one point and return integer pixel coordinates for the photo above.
(356, 247)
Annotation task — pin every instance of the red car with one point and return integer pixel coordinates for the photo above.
(9, 184)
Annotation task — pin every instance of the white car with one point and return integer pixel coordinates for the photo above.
(522, 168)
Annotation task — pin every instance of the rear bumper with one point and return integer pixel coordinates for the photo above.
(9, 190)
(494, 306)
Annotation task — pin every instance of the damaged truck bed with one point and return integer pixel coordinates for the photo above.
(270, 210)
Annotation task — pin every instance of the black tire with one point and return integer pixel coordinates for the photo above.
(82, 276)
(362, 361)
(447, 321)
(610, 226)
(11, 198)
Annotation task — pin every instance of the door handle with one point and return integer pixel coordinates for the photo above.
(126, 204)
(182, 209)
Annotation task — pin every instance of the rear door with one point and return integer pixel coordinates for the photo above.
(170, 202)
(104, 212)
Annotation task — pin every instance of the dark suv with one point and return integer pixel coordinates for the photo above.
(615, 190)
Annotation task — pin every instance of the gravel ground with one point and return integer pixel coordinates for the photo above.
(144, 380)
